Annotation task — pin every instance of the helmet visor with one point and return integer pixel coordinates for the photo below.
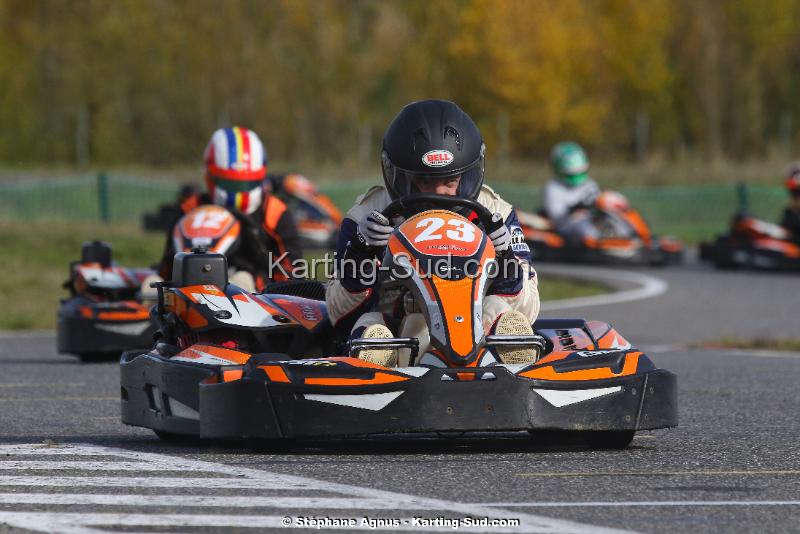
(235, 186)
(576, 179)
(402, 183)
(243, 200)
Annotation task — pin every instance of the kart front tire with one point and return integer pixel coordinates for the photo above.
(171, 437)
(609, 439)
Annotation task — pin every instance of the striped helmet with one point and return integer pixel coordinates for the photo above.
(236, 164)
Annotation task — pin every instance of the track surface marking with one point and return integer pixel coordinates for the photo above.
(360, 500)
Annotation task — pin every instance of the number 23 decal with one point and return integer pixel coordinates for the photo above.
(461, 230)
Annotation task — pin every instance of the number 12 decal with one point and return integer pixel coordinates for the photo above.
(209, 219)
(463, 231)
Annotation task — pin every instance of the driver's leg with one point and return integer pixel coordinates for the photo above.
(372, 325)
(499, 318)
(244, 280)
(577, 228)
(414, 325)
(149, 295)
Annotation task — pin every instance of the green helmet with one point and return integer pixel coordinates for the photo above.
(570, 163)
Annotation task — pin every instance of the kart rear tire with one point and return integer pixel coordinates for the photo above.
(99, 357)
(609, 439)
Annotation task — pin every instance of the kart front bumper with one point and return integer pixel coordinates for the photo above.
(79, 335)
(727, 253)
(186, 399)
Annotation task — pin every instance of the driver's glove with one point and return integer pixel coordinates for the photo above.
(509, 275)
(374, 229)
(501, 237)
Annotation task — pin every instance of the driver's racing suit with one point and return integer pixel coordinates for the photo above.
(351, 300)
(790, 220)
(560, 202)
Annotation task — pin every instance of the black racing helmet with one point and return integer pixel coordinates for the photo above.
(432, 139)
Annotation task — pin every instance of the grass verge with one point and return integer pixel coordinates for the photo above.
(557, 288)
(37, 257)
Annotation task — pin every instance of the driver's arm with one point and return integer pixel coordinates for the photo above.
(791, 222)
(556, 202)
(521, 292)
(280, 226)
(165, 265)
(349, 295)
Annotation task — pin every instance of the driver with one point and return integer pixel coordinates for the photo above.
(569, 194)
(236, 165)
(791, 214)
(431, 146)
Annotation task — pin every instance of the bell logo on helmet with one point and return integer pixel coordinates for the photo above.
(437, 158)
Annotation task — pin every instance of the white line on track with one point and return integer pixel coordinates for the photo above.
(7, 465)
(85, 522)
(72, 522)
(639, 503)
(647, 286)
(146, 482)
(329, 503)
(43, 449)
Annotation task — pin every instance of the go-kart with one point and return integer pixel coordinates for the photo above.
(753, 243)
(231, 233)
(104, 314)
(233, 365)
(624, 237)
(317, 218)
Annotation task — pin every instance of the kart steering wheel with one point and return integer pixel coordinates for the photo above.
(397, 207)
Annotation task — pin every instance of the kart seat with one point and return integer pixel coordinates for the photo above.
(96, 252)
(199, 268)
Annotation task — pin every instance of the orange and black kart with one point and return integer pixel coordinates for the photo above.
(104, 315)
(753, 244)
(227, 232)
(218, 373)
(625, 237)
(316, 216)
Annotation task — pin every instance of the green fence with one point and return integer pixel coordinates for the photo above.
(83, 198)
(691, 213)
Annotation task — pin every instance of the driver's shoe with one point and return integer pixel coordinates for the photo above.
(384, 357)
(514, 323)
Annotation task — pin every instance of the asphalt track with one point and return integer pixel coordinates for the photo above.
(733, 465)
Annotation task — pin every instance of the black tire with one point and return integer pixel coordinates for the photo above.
(609, 439)
(171, 437)
(99, 357)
